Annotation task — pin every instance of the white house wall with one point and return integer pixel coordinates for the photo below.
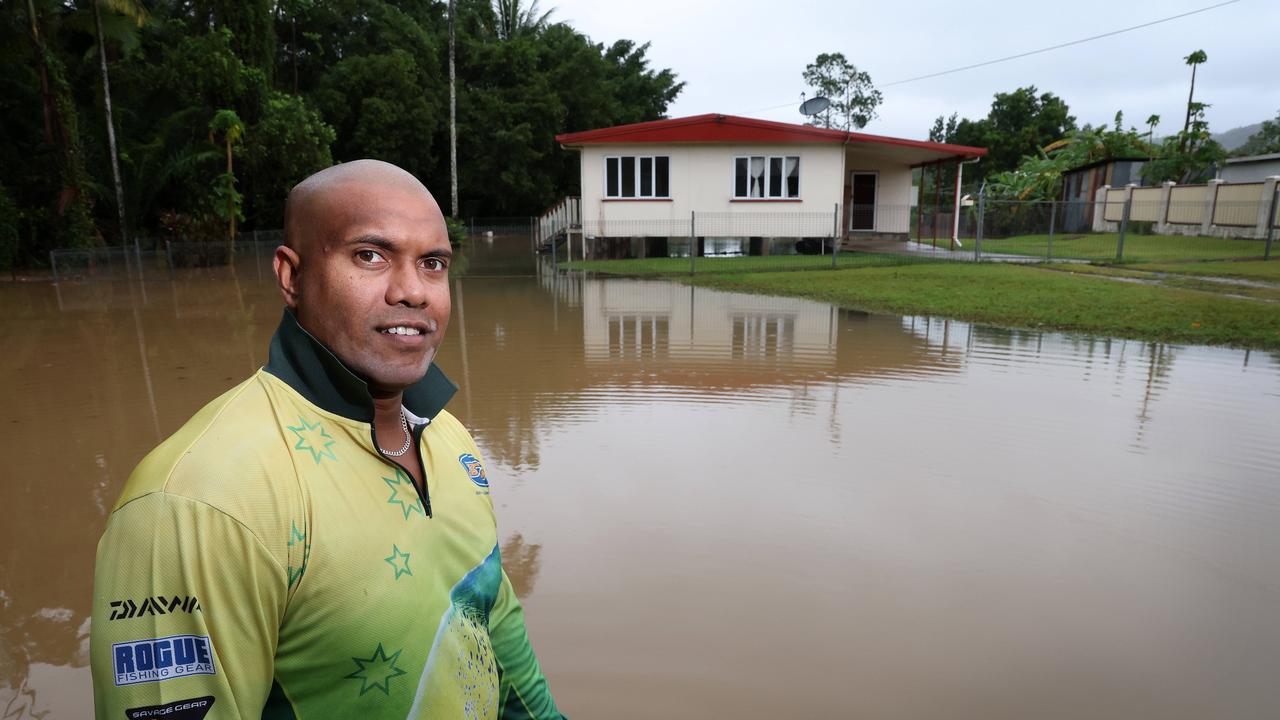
(701, 180)
(893, 185)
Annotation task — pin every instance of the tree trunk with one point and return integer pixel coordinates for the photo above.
(62, 130)
(111, 128)
(46, 95)
(231, 200)
(453, 122)
(1186, 126)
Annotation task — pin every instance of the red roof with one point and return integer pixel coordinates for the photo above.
(716, 128)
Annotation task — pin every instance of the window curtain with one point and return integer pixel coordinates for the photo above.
(792, 173)
(757, 177)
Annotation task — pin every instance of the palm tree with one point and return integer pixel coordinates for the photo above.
(136, 12)
(1152, 122)
(228, 124)
(1193, 60)
(514, 20)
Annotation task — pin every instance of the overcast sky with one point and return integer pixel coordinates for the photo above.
(746, 57)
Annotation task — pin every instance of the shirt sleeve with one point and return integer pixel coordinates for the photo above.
(187, 602)
(522, 689)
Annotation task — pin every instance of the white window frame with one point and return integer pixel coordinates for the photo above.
(653, 178)
(733, 178)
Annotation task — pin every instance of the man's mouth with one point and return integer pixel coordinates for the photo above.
(414, 328)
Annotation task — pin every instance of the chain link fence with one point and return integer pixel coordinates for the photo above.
(1121, 230)
(149, 257)
(706, 242)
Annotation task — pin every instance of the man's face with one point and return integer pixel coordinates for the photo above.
(373, 281)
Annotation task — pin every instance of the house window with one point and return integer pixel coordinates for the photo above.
(766, 177)
(631, 176)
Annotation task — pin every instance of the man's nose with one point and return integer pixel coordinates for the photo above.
(407, 286)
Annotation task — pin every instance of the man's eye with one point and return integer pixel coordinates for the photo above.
(368, 256)
(435, 264)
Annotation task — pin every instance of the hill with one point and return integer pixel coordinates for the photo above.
(1235, 137)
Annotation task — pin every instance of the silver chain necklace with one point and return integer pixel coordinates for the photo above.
(408, 438)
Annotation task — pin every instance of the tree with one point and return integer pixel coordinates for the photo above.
(512, 21)
(1152, 121)
(227, 125)
(62, 130)
(136, 12)
(853, 96)
(1018, 125)
(1189, 156)
(1194, 60)
(1263, 142)
(944, 132)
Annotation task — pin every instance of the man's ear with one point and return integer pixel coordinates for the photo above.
(288, 278)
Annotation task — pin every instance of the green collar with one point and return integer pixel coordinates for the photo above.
(318, 375)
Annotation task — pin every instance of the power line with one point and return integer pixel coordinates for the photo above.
(1041, 50)
(1061, 45)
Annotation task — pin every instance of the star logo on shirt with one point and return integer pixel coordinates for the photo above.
(297, 537)
(377, 671)
(399, 561)
(404, 494)
(314, 439)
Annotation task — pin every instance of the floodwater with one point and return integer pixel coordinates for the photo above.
(724, 505)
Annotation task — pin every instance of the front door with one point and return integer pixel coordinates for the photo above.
(862, 206)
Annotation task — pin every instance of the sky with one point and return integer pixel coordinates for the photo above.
(746, 57)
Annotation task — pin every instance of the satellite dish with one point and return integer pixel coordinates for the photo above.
(813, 106)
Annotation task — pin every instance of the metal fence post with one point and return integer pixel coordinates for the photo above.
(693, 241)
(168, 253)
(1124, 225)
(1053, 218)
(53, 263)
(137, 256)
(555, 265)
(982, 217)
(835, 234)
(1271, 223)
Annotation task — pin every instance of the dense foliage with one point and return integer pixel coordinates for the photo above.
(1039, 176)
(1019, 124)
(311, 84)
(1263, 142)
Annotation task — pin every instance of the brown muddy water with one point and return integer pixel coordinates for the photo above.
(724, 505)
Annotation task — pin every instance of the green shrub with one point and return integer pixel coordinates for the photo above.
(457, 231)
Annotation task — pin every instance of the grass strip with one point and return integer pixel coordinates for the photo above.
(1264, 270)
(741, 264)
(1028, 297)
(1137, 247)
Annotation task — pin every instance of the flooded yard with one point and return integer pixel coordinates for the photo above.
(726, 505)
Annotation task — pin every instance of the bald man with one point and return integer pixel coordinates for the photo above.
(319, 541)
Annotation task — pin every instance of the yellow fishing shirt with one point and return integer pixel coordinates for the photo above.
(268, 561)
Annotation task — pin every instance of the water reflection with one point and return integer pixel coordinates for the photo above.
(952, 498)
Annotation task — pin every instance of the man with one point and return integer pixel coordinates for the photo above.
(319, 542)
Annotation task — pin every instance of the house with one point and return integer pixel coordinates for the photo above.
(740, 186)
(1253, 168)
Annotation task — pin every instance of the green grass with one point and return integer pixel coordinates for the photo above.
(1137, 248)
(680, 266)
(1264, 270)
(1028, 297)
(1202, 282)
